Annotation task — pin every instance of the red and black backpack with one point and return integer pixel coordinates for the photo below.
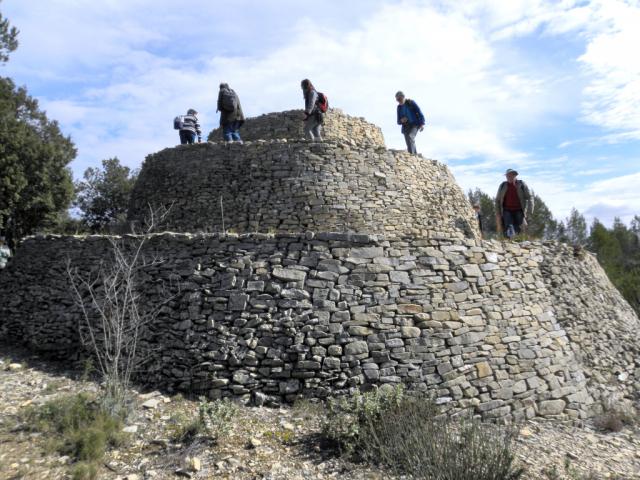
(322, 102)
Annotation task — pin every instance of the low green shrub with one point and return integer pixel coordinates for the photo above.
(214, 419)
(84, 471)
(78, 426)
(217, 417)
(348, 416)
(407, 434)
(184, 428)
(308, 409)
(615, 418)
(285, 437)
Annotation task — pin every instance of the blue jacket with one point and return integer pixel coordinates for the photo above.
(411, 110)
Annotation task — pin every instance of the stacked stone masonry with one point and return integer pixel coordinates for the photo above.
(289, 125)
(281, 316)
(394, 286)
(600, 324)
(279, 186)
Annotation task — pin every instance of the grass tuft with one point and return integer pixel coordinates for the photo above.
(78, 427)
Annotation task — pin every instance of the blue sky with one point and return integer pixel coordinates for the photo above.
(551, 88)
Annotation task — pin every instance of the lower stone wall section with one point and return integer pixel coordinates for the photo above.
(317, 314)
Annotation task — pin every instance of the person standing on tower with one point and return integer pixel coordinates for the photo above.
(5, 253)
(411, 118)
(189, 128)
(313, 116)
(231, 116)
(513, 203)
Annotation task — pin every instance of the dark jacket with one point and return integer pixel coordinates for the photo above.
(227, 117)
(190, 123)
(412, 111)
(526, 200)
(311, 104)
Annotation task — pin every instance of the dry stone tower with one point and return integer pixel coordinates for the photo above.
(311, 269)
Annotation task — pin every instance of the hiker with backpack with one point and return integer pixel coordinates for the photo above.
(411, 118)
(188, 127)
(513, 203)
(5, 253)
(231, 116)
(315, 106)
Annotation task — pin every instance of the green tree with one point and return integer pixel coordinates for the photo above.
(618, 252)
(35, 183)
(541, 224)
(576, 228)
(103, 196)
(487, 211)
(8, 39)
(628, 242)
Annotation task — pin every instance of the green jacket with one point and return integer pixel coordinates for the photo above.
(526, 200)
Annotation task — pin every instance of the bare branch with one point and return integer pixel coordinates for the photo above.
(110, 304)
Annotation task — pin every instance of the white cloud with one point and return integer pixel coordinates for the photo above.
(117, 73)
(613, 95)
(443, 61)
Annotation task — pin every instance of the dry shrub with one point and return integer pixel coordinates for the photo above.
(408, 435)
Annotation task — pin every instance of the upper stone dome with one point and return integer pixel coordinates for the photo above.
(347, 183)
(289, 125)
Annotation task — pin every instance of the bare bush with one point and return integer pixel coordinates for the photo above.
(112, 318)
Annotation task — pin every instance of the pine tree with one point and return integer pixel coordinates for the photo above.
(103, 196)
(542, 225)
(8, 39)
(576, 228)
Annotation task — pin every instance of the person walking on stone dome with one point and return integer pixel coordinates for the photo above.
(190, 128)
(231, 116)
(5, 253)
(513, 203)
(411, 118)
(313, 117)
(476, 209)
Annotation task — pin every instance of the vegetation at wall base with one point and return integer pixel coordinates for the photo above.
(79, 427)
(214, 420)
(407, 434)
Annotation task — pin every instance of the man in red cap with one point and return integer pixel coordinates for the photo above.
(513, 203)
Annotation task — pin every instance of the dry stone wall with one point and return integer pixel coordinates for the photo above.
(279, 186)
(289, 125)
(602, 327)
(276, 317)
(403, 291)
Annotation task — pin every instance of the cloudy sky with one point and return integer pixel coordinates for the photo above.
(551, 88)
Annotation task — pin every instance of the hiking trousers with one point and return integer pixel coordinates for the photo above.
(410, 138)
(513, 219)
(312, 127)
(231, 131)
(187, 137)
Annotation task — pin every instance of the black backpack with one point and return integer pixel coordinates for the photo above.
(228, 100)
(178, 122)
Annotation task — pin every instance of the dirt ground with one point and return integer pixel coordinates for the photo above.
(264, 443)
